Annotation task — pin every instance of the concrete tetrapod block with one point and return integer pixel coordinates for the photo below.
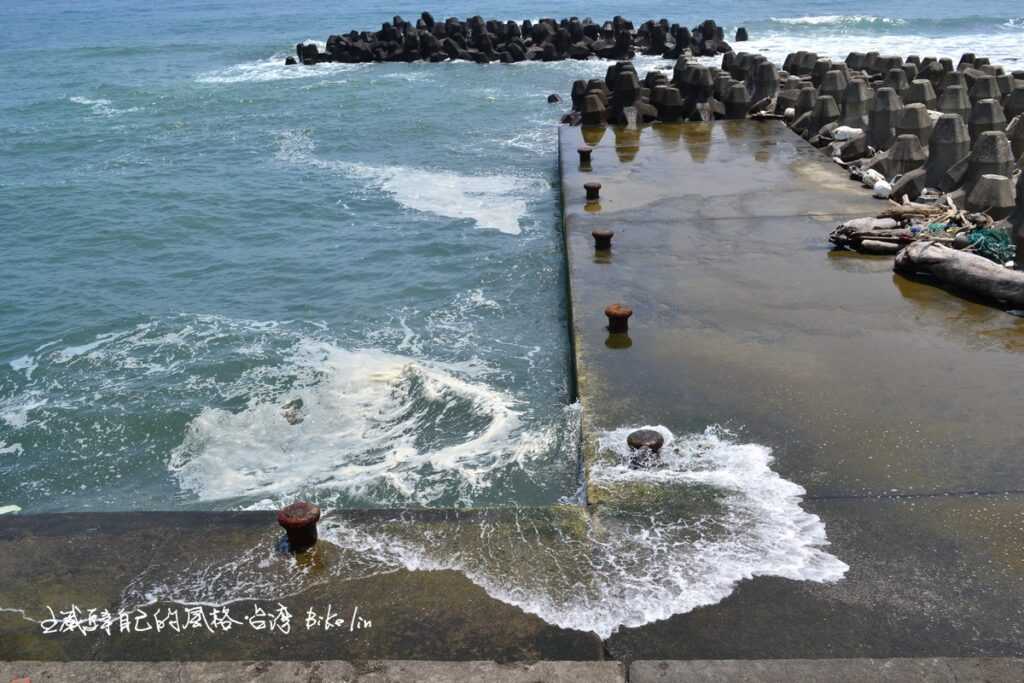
(790, 62)
(765, 81)
(1006, 83)
(854, 148)
(834, 85)
(921, 91)
(1013, 103)
(855, 60)
(954, 100)
(871, 62)
(985, 88)
(786, 99)
(722, 84)
(737, 102)
(826, 111)
(933, 73)
(991, 153)
(655, 78)
(579, 91)
(954, 177)
(626, 89)
(897, 80)
(856, 104)
(906, 154)
(914, 119)
(986, 115)
(955, 78)
(910, 184)
(949, 143)
(594, 112)
(656, 94)
(1015, 133)
(821, 67)
(884, 113)
(805, 67)
(611, 74)
(670, 105)
(695, 83)
(992, 194)
(802, 123)
(886, 63)
(806, 100)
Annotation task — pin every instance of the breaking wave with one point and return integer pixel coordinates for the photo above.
(838, 20)
(490, 201)
(870, 23)
(101, 107)
(249, 413)
(273, 69)
(384, 429)
(680, 537)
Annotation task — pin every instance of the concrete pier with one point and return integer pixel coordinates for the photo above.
(892, 404)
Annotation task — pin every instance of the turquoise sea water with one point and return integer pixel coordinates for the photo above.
(192, 235)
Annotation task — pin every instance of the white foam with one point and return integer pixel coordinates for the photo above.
(1003, 47)
(274, 69)
(621, 567)
(71, 353)
(14, 410)
(540, 138)
(632, 569)
(24, 363)
(101, 107)
(10, 449)
(9, 510)
(838, 19)
(491, 201)
(386, 428)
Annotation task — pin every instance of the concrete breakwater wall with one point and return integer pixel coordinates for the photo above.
(483, 41)
(919, 130)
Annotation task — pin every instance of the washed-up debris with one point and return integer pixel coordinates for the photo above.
(963, 251)
(898, 225)
(963, 271)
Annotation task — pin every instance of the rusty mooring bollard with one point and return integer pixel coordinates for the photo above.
(618, 318)
(593, 191)
(602, 239)
(585, 157)
(644, 445)
(299, 521)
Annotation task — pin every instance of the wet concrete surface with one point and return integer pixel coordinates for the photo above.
(92, 560)
(894, 404)
(974, 670)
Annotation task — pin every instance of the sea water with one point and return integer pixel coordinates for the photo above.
(194, 236)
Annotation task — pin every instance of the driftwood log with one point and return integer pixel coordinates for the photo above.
(962, 270)
(872, 236)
